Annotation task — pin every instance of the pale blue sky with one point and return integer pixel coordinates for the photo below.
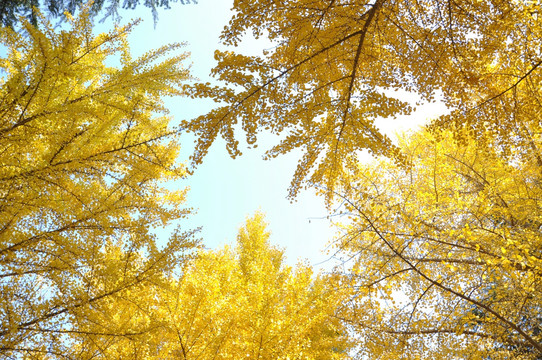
(225, 191)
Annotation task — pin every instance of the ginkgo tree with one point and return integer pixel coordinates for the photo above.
(238, 303)
(85, 147)
(447, 254)
(245, 303)
(336, 66)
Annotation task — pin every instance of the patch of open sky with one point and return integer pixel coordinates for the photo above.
(223, 190)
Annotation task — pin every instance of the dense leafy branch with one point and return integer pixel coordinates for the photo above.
(85, 148)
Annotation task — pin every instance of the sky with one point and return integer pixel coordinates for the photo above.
(225, 191)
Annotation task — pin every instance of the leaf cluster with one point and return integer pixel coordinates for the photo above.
(447, 253)
(337, 66)
(85, 149)
(238, 303)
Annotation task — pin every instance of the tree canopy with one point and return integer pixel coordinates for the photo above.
(85, 148)
(336, 66)
(448, 254)
(237, 303)
(441, 248)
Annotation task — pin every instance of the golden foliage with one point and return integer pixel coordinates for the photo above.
(448, 253)
(446, 250)
(84, 148)
(242, 303)
(335, 66)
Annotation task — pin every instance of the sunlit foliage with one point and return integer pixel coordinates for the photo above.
(84, 148)
(334, 66)
(239, 303)
(447, 255)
